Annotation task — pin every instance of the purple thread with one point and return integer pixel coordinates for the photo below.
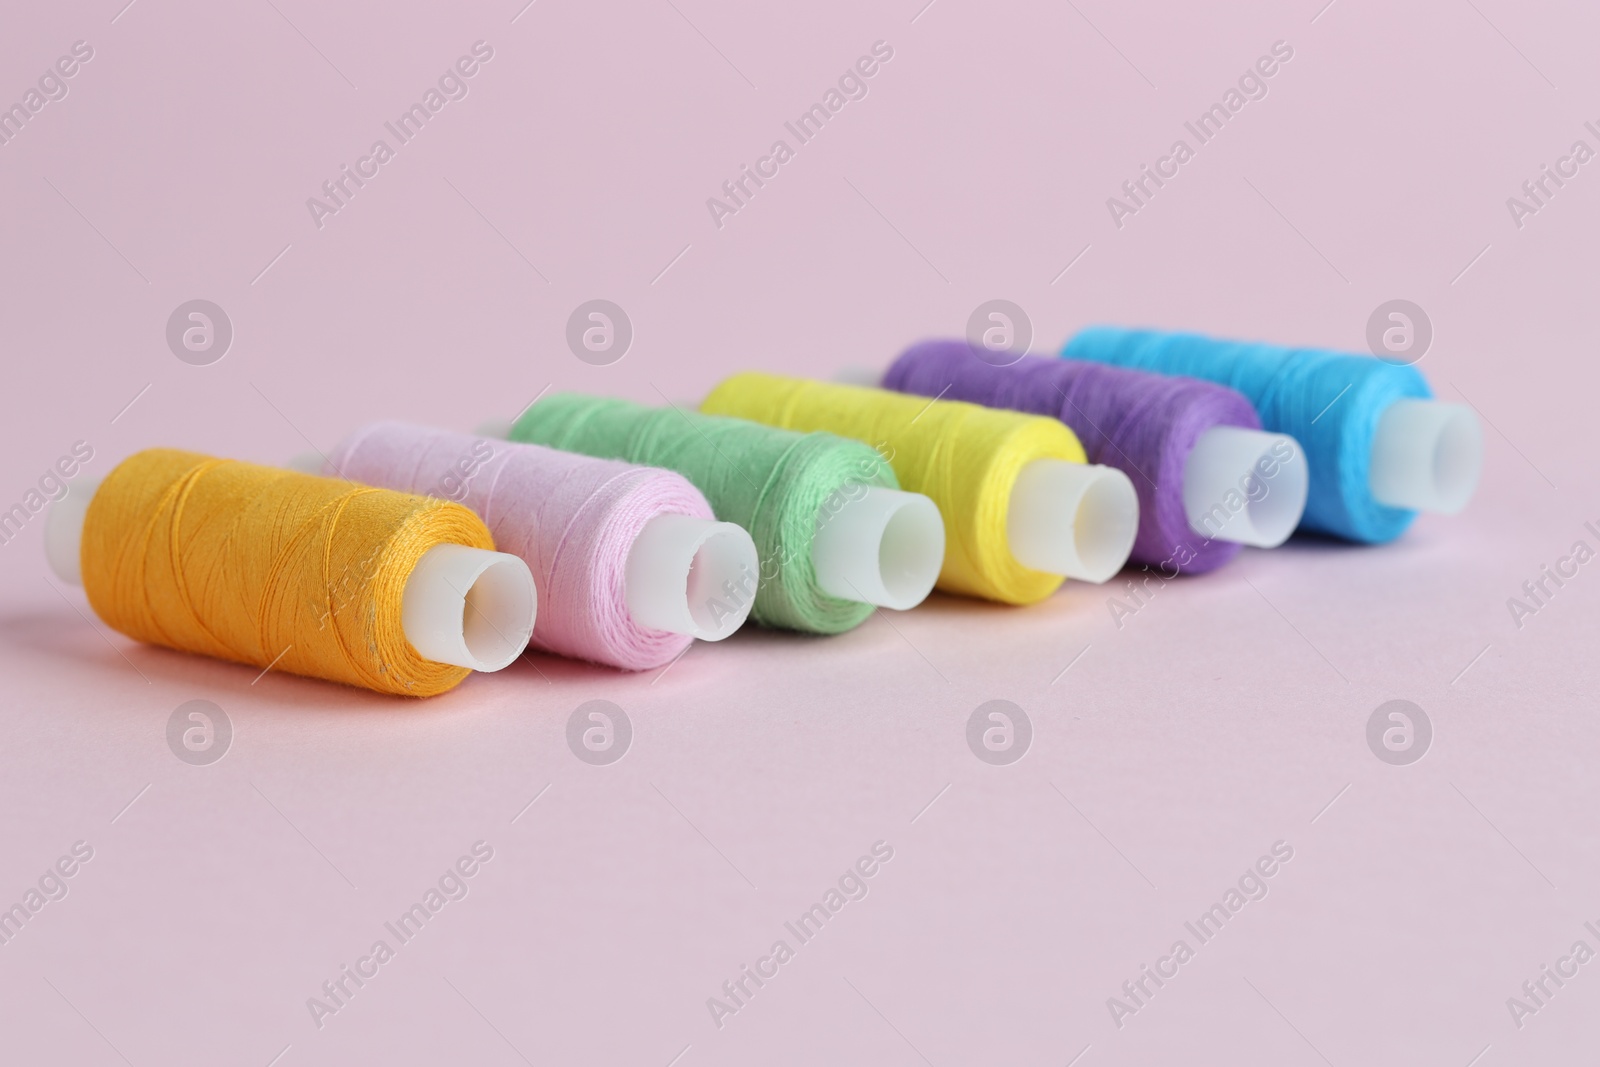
(1143, 424)
(572, 518)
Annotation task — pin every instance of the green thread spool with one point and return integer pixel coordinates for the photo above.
(783, 487)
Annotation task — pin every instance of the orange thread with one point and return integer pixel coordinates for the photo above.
(265, 566)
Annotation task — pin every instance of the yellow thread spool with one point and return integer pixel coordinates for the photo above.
(264, 566)
(965, 457)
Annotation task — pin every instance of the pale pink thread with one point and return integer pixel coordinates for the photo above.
(572, 518)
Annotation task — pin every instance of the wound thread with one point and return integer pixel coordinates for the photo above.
(573, 519)
(267, 567)
(1143, 424)
(1329, 402)
(964, 457)
(774, 484)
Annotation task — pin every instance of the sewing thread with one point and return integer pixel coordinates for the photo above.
(1329, 402)
(1143, 424)
(964, 457)
(267, 567)
(773, 483)
(573, 519)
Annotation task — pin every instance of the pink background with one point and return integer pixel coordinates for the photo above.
(1222, 718)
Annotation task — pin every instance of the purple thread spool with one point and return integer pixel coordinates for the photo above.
(1146, 425)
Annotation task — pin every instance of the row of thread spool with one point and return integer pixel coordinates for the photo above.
(616, 533)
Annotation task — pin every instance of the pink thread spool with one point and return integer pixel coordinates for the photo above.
(629, 564)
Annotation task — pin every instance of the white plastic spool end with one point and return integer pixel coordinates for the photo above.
(1426, 456)
(879, 546)
(307, 463)
(1230, 463)
(1073, 519)
(469, 607)
(63, 530)
(494, 429)
(692, 576)
(856, 374)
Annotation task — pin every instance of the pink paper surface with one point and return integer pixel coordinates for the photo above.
(1168, 754)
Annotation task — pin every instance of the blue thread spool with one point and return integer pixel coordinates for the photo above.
(1380, 448)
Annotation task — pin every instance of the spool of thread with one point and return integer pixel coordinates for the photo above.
(629, 564)
(1379, 448)
(834, 533)
(1021, 508)
(313, 576)
(1208, 479)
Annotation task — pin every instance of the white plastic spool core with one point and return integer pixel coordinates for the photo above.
(1228, 463)
(463, 606)
(1073, 519)
(469, 607)
(63, 530)
(1426, 456)
(692, 576)
(856, 374)
(878, 546)
(494, 429)
(307, 463)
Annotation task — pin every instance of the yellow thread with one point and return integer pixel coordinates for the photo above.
(264, 566)
(965, 457)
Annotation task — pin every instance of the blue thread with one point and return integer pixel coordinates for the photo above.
(1297, 392)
